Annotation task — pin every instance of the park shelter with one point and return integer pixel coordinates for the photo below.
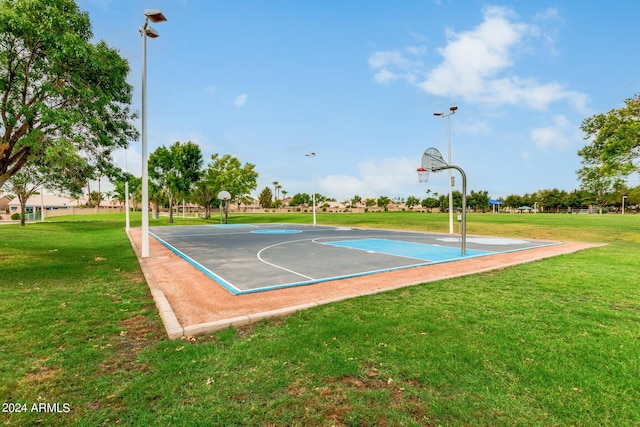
(495, 205)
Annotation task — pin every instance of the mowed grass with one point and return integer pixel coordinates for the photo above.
(554, 342)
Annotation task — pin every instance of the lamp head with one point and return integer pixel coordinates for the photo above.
(453, 108)
(438, 114)
(154, 15)
(149, 32)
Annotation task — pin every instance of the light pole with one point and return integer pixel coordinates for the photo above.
(313, 180)
(452, 110)
(623, 198)
(152, 15)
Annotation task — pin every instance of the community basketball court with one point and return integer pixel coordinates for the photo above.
(246, 258)
(209, 277)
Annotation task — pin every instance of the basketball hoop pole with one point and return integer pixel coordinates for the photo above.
(464, 203)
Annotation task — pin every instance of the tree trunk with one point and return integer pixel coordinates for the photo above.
(23, 210)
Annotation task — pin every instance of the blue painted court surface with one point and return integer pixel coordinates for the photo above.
(247, 258)
(421, 251)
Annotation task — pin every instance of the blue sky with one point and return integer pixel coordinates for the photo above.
(357, 82)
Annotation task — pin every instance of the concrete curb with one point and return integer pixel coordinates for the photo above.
(171, 325)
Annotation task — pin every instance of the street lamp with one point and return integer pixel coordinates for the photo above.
(452, 110)
(623, 198)
(152, 15)
(313, 180)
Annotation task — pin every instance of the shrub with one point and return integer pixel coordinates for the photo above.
(15, 216)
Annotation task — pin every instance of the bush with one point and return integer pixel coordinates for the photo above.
(15, 216)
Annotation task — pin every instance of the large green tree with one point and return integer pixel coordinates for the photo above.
(57, 88)
(229, 174)
(614, 147)
(174, 169)
(223, 173)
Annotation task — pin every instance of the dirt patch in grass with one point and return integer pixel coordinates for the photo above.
(41, 374)
(334, 400)
(136, 333)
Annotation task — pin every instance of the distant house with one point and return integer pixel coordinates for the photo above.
(4, 203)
(48, 201)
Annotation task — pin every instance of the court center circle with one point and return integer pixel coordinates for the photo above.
(276, 231)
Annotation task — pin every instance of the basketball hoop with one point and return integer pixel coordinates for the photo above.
(423, 175)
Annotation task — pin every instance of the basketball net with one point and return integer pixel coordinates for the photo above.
(423, 175)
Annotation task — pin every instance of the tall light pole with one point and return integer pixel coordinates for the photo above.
(152, 15)
(452, 110)
(313, 180)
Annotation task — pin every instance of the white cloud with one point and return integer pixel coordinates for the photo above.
(388, 177)
(240, 100)
(478, 65)
(404, 68)
(474, 56)
(561, 135)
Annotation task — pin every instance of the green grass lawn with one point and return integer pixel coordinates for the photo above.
(554, 342)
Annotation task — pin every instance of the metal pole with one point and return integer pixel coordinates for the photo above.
(145, 172)
(126, 206)
(464, 204)
(42, 204)
(450, 177)
(313, 196)
(313, 180)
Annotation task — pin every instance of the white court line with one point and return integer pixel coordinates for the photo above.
(258, 255)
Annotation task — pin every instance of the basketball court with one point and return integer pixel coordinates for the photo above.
(206, 278)
(248, 258)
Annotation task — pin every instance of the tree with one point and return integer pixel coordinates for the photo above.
(58, 91)
(276, 187)
(24, 184)
(229, 174)
(204, 194)
(266, 198)
(412, 201)
(615, 145)
(429, 203)
(119, 192)
(300, 199)
(94, 199)
(174, 169)
(478, 200)
(513, 201)
(369, 203)
(383, 202)
(552, 199)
